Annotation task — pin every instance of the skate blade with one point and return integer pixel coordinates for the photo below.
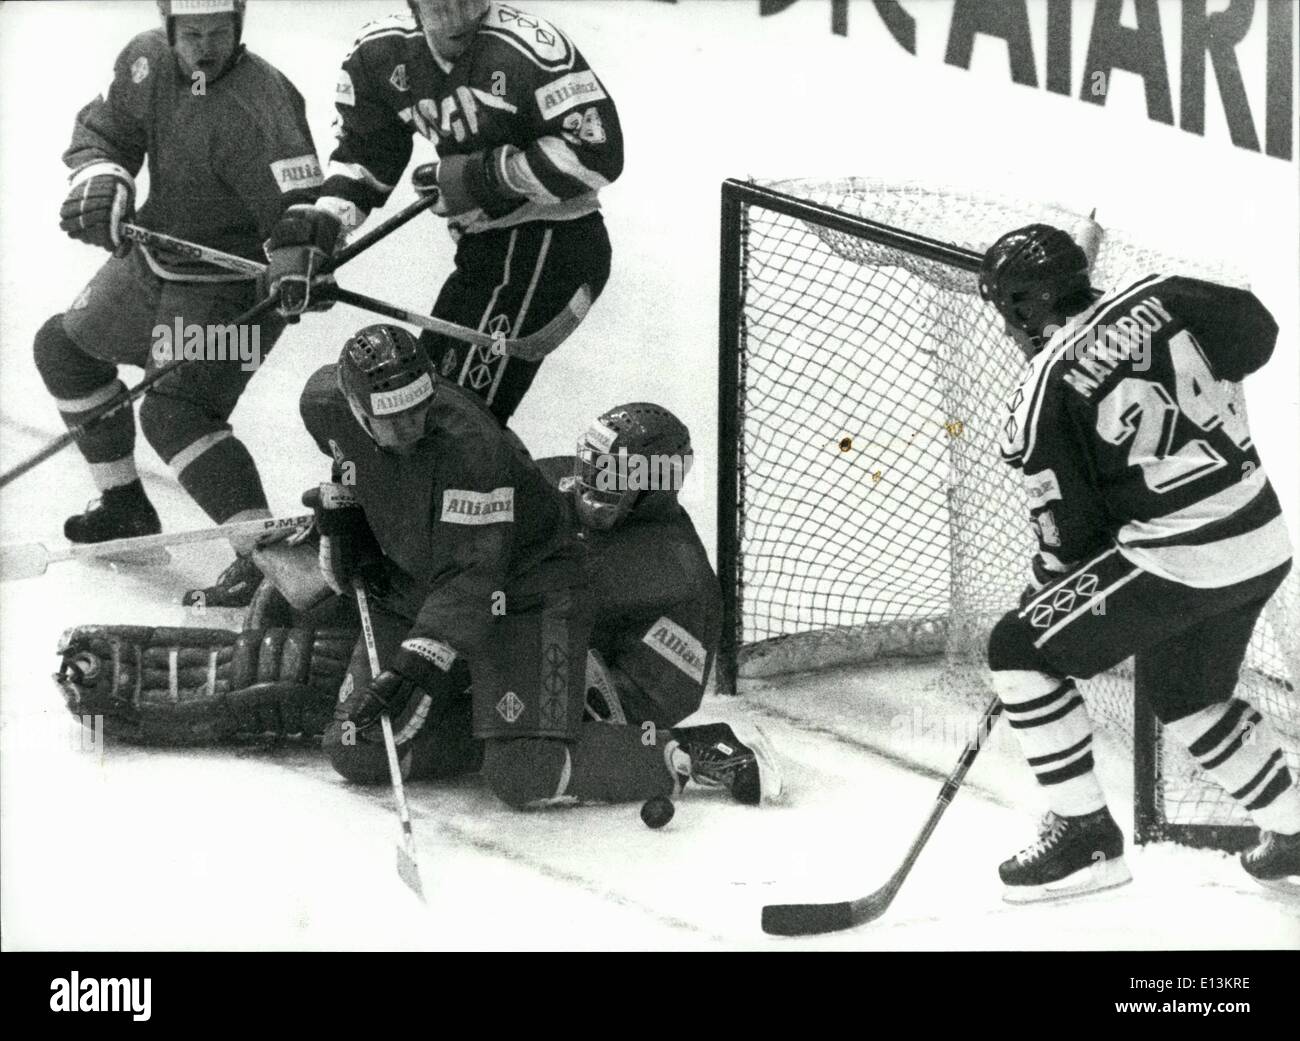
(1103, 875)
(771, 781)
(155, 557)
(1288, 886)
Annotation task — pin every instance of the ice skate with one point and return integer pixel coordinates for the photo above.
(1072, 856)
(119, 513)
(234, 587)
(719, 759)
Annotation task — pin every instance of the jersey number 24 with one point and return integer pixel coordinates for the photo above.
(1142, 413)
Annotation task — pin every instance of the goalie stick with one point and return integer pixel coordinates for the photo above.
(805, 919)
(29, 559)
(408, 866)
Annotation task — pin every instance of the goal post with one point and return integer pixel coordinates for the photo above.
(864, 512)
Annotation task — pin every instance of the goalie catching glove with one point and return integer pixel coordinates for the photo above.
(161, 686)
(101, 196)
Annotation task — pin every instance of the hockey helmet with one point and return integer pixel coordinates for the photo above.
(1028, 272)
(172, 9)
(390, 383)
(448, 25)
(633, 454)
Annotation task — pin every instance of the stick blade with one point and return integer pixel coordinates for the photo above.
(807, 919)
(409, 872)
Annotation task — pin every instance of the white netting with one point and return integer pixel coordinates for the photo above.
(872, 490)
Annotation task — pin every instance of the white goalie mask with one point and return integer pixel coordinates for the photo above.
(449, 25)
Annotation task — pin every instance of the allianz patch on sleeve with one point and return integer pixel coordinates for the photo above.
(670, 640)
(494, 507)
(301, 171)
(577, 88)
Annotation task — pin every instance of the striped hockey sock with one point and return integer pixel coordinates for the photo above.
(1050, 720)
(1235, 745)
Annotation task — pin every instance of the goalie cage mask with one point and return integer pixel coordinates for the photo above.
(170, 10)
(390, 384)
(633, 455)
(1029, 272)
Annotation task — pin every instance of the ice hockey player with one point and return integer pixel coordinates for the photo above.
(226, 138)
(481, 584)
(654, 597)
(526, 135)
(1159, 538)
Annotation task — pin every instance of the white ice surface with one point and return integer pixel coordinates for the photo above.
(144, 849)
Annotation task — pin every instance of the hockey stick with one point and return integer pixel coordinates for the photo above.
(408, 867)
(803, 919)
(29, 559)
(192, 250)
(126, 399)
(532, 347)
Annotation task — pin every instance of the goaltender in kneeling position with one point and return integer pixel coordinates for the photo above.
(1159, 538)
(481, 582)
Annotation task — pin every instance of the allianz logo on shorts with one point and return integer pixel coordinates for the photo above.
(189, 341)
(1042, 613)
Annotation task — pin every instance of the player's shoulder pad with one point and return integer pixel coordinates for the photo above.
(540, 42)
(143, 56)
(384, 37)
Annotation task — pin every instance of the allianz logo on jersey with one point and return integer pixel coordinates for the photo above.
(302, 171)
(669, 640)
(190, 341)
(465, 507)
(74, 994)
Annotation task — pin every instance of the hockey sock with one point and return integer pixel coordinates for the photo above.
(109, 445)
(1050, 720)
(1234, 745)
(220, 475)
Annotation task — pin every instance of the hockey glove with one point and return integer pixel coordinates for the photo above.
(299, 244)
(418, 670)
(477, 181)
(348, 546)
(101, 197)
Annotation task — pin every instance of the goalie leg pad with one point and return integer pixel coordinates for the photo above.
(164, 686)
(530, 679)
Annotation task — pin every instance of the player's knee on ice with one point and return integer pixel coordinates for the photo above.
(526, 771)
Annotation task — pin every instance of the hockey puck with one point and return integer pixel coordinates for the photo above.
(657, 811)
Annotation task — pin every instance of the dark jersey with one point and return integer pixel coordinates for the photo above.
(467, 522)
(521, 91)
(1131, 430)
(224, 163)
(655, 598)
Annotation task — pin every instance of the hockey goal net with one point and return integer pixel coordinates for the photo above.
(863, 510)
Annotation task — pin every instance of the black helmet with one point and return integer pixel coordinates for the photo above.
(635, 452)
(1029, 271)
(389, 382)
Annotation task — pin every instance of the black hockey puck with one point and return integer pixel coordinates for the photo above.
(657, 811)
